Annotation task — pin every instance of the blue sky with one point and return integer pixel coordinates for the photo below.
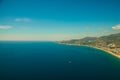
(58, 19)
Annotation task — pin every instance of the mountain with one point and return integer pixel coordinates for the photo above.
(109, 43)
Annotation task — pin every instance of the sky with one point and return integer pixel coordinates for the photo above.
(58, 19)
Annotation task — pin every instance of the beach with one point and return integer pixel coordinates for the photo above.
(109, 52)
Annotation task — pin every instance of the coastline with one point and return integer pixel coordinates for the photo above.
(109, 52)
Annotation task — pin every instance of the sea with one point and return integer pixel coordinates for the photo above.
(44, 60)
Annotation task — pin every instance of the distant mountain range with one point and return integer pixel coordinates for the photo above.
(109, 43)
(93, 41)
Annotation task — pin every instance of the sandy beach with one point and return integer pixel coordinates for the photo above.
(109, 52)
(118, 56)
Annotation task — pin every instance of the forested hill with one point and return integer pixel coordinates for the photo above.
(110, 42)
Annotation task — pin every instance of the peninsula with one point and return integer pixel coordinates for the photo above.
(109, 43)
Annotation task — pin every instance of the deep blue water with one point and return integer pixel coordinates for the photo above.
(52, 61)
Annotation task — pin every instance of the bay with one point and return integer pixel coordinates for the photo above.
(35, 60)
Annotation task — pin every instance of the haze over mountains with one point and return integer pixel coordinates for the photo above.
(103, 40)
(110, 43)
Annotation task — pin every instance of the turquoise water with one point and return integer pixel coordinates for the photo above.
(52, 61)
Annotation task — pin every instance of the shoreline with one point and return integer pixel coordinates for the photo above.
(109, 52)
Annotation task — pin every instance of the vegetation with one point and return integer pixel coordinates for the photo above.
(109, 43)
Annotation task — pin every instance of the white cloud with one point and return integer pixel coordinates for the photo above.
(117, 27)
(5, 27)
(22, 20)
